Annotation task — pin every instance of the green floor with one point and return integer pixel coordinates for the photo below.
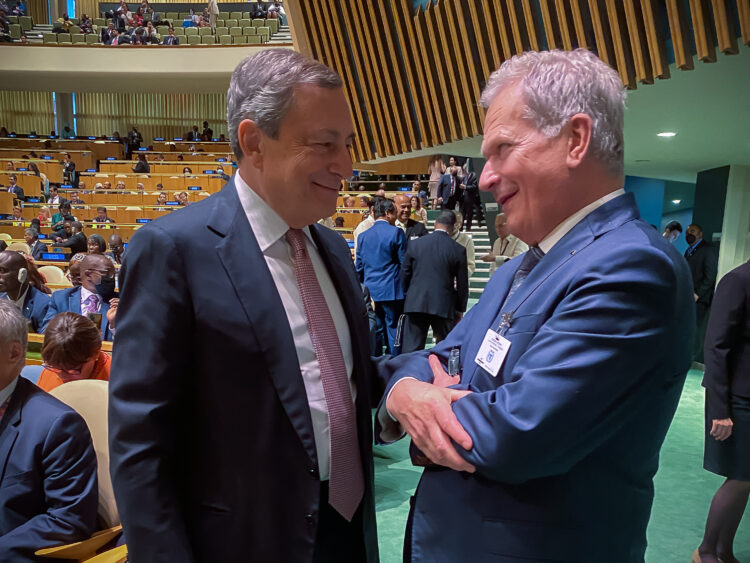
(683, 490)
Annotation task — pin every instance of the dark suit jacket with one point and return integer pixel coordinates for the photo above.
(76, 242)
(444, 187)
(212, 450)
(171, 40)
(38, 249)
(703, 267)
(35, 307)
(48, 485)
(436, 280)
(106, 36)
(18, 192)
(414, 230)
(70, 300)
(566, 437)
(727, 346)
(380, 251)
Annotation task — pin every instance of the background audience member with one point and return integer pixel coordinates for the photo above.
(449, 192)
(367, 221)
(436, 169)
(727, 440)
(472, 204)
(76, 239)
(703, 260)
(171, 38)
(36, 247)
(49, 494)
(69, 170)
(15, 286)
(412, 229)
(116, 249)
(506, 246)
(436, 284)
(418, 212)
(465, 240)
(101, 216)
(15, 189)
(72, 351)
(672, 231)
(96, 244)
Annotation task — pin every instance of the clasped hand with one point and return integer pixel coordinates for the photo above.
(424, 410)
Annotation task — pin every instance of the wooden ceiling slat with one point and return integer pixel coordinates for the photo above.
(724, 28)
(494, 39)
(414, 72)
(364, 66)
(575, 7)
(704, 44)
(531, 30)
(431, 84)
(501, 29)
(549, 26)
(473, 91)
(638, 43)
(453, 89)
(480, 27)
(515, 26)
(623, 55)
(363, 150)
(655, 39)
(743, 11)
(601, 32)
(678, 30)
(439, 65)
(565, 31)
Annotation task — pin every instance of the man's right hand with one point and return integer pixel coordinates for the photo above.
(489, 257)
(424, 411)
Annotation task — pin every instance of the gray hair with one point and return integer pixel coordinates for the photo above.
(31, 232)
(262, 89)
(13, 325)
(556, 85)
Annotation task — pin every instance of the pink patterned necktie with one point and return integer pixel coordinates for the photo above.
(4, 407)
(91, 304)
(346, 486)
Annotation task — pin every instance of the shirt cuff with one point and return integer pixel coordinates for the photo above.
(390, 429)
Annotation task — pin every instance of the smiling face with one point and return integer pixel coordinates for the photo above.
(299, 173)
(525, 171)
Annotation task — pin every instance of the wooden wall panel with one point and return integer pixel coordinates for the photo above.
(414, 77)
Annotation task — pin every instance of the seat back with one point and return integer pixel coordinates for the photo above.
(246, 23)
(92, 39)
(208, 40)
(231, 23)
(222, 31)
(5, 236)
(74, 29)
(235, 31)
(52, 274)
(273, 25)
(49, 38)
(235, 15)
(225, 39)
(26, 22)
(253, 39)
(191, 31)
(78, 38)
(205, 31)
(19, 247)
(194, 40)
(259, 22)
(15, 31)
(64, 38)
(89, 398)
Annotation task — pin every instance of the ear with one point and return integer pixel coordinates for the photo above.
(16, 353)
(250, 136)
(580, 129)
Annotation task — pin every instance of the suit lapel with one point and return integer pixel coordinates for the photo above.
(9, 425)
(254, 287)
(74, 301)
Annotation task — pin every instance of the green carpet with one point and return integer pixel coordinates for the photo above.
(683, 490)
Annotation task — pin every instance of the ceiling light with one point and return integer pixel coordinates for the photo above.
(666, 134)
(676, 201)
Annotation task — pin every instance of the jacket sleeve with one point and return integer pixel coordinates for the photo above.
(723, 334)
(359, 265)
(52, 310)
(709, 270)
(68, 467)
(462, 282)
(406, 268)
(147, 388)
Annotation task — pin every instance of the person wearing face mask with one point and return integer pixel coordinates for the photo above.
(94, 296)
(702, 259)
(72, 351)
(672, 231)
(15, 286)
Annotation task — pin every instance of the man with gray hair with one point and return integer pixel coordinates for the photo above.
(36, 247)
(240, 424)
(48, 484)
(571, 364)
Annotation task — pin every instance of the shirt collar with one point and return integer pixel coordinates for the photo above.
(268, 227)
(8, 391)
(401, 225)
(563, 228)
(695, 244)
(85, 294)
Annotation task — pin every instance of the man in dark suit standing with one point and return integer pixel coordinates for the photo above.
(69, 170)
(15, 189)
(240, 425)
(471, 203)
(48, 484)
(380, 252)
(412, 229)
(436, 282)
(449, 189)
(573, 361)
(703, 261)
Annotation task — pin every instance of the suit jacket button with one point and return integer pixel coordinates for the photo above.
(310, 518)
(312, 471)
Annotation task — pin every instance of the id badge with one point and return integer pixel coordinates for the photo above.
(492, 352)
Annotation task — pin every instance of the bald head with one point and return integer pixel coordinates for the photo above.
(403, 207)
(10, 264)
(93, 267)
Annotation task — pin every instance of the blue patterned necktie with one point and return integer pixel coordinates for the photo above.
(530, 260)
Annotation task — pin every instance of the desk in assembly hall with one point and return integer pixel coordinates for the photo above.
(100, 148)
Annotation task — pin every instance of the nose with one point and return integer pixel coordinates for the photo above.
(341, 163)
(489, 177)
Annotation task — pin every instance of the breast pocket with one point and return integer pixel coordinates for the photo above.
(522, 331)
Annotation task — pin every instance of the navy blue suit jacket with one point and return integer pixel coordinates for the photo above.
(380, 252)
(213, 455)
(444, 187)
(35, 307)
(48, 485)
(70, 300)
(37, 250)
(566, 438)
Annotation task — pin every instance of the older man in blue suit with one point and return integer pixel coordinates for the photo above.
(14, 286)
(48, 481)
(380, 252)
(240, 422)
(94, 295)
(572, 362)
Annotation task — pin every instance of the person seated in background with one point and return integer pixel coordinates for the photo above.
(94, 295)
(136, 19)
(15, 189)
(76, 239)
(161, 199)
(74, 269)
(86, 24)
(205, 20)
(181, 198)
(107, 186)
(339, 222)
(138, 38)
(54, 197)
(17, 217)
(44, 217)
(221, 174)
(72, 351)
(16, 287)
(65, 23)
(74, 198)
(171, 39)
(49, 491)
(63, 214)
(186, 170)
(101, 216)
(142, 166)
(36, 247)
(350, 202)
(116, 249)
(96, 244)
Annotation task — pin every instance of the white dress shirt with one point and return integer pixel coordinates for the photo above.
(19, 303)
(270, 230)
(85, 294)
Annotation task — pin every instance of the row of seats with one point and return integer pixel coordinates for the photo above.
(25, 22)
(234, 37)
